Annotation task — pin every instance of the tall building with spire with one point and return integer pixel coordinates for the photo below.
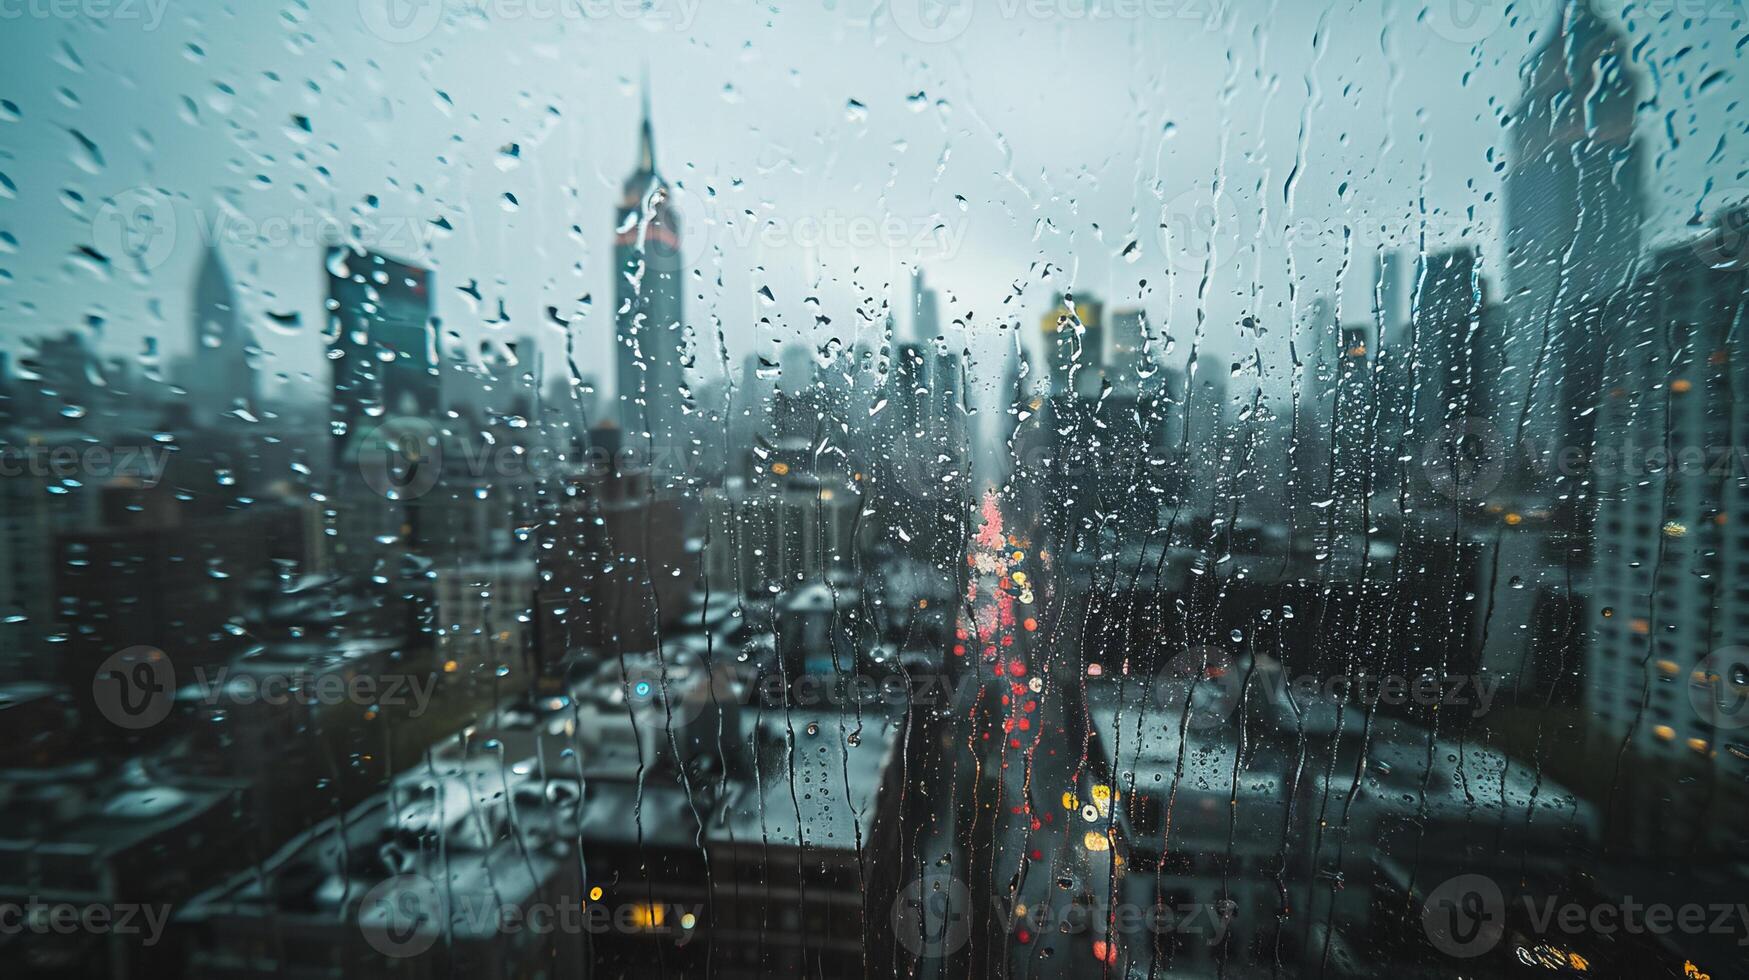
(219, 376)
(649, 332)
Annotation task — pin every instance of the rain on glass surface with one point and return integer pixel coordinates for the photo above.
(874, 488)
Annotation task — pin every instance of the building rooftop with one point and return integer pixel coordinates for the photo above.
(84, 811)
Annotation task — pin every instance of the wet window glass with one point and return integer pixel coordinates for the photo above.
(874, 488)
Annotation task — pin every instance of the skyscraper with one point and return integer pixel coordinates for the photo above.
(1573, 201)
(946, 392)
(1438, 389)
(1074, 344)
(1457, 337)
(1391, 289)
(219, 375)
(648, 329)
(1130, 367)
(1018, 388)
(383, 412)
(925, 310)
(384, 349)
(1666, 673)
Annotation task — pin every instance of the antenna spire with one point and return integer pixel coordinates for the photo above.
(646, 135)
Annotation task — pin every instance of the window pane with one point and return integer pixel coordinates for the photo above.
(919, 488)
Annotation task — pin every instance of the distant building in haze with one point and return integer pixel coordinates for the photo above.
(1127, 361)
(649, 331)
(383, 349)
(925, 309)
(1574, 203)
(1438, 392)
(218, 374)
(1666, 673)
(1074, 344)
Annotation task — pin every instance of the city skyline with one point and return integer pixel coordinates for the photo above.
(977, 488)
(406, 221)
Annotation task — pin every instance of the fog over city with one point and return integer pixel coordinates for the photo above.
(882, 488)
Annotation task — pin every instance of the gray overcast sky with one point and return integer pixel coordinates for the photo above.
(1012, 154)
